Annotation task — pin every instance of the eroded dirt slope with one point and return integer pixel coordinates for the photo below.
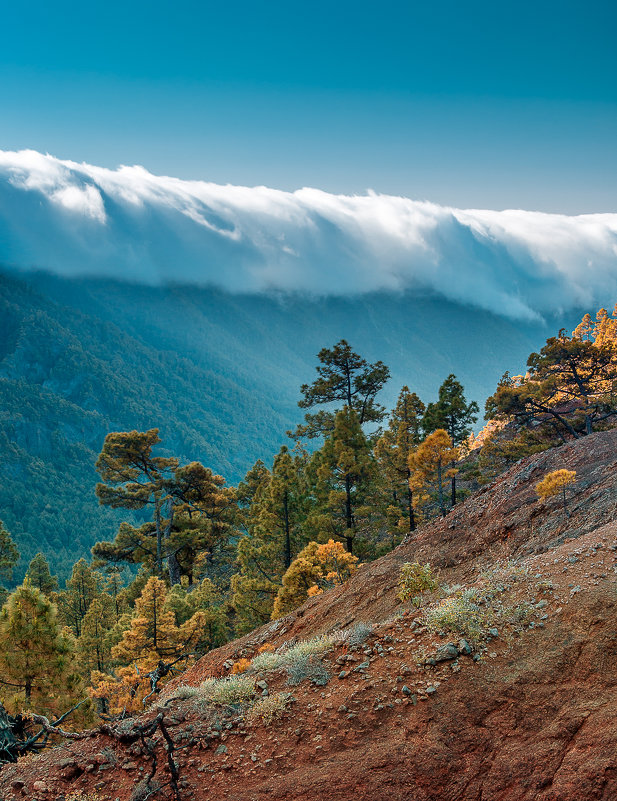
(529, 713)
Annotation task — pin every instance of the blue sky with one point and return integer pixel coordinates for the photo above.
(472, 104)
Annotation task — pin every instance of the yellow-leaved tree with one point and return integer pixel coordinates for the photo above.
(317, 568)
(556, 483)
(429, 463)
(151, 642)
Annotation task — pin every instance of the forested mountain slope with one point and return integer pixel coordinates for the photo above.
(217, 373)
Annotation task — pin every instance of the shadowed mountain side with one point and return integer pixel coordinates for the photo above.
(217, 373)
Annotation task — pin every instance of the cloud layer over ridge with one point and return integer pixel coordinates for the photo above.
(76, 219)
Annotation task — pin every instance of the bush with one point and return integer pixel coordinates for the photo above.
(229, 690)
(312, 647)
(184, 691)
(241, 666)
(414, 580)
(358, 634)
(307, 666)
(461, 614)
(267, 661)
(270, 708)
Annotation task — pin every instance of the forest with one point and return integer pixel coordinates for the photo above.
(197, 560)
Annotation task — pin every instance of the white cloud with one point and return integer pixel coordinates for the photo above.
(78, 219)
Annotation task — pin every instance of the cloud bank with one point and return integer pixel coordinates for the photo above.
(77, 219)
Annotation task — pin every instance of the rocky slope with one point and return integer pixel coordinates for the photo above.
(406, 711)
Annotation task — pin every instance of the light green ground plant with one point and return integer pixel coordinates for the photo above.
(358, 634)
(184, 691)
(270, 708)
(414, 580)
(267, 661)
(228, 690)
(462, 614)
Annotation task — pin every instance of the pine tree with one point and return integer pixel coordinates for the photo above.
(153, 633)
(39, 576)
(452, 413)
(556, 483)
(9, 555)
(429, 463)
(36, 657)
(571, 384)
(274, 536)
(192, 509)
(344, 378)
(84, 585)
(317, 568)
(345, 469)
(134, 478)
(95, 643)
(393, 451)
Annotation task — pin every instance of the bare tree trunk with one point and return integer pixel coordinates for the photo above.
(442, 507)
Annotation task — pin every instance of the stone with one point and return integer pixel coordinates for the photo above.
(494, 632)
(405, 690)
(465, 648)
(343, 674)
(39, 786)
(446, 652)
(431, 690)
(362, 666)
(263, 685)
(222, 749)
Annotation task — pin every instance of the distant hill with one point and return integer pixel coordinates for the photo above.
(217, 373)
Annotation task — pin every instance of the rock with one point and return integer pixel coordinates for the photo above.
(17, 785)
(343, 674)
(494, 632)
(405, 690)
(222, 749)
(431, 690)
(446, 652)
(465, 648)
(362, 666)
(263, 685)
(39, 786)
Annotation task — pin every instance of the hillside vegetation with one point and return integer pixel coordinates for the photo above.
(217, 374)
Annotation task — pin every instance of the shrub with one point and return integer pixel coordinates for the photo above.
(461, 614)
(307, 666)
(229, 690)
(270, 708)
(241, 666)
(522, 614)
(415, 579)
(358, 634)
(80, 795)
(267, 661)
(312, 647)
(184, 691)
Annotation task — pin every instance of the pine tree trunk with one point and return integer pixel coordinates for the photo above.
(453, 497)
(287, 556)
(442, 507)
(412, 518)
(173, 568)
(348, 515)
(159, 537)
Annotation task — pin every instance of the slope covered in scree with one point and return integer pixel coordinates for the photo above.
(407, 713)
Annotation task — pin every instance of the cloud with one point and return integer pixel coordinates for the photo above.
(77, 219)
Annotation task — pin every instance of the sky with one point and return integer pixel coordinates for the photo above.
(474, 105)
